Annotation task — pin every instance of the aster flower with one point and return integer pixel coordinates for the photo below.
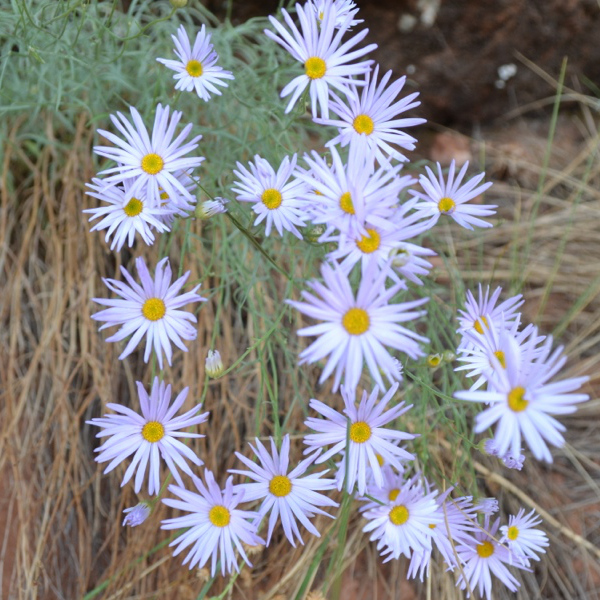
(342, 8)
(352, 197)
(292, 496)
(152, 309)
(407, 261)
(404, 525)
(217, 528)
(326, 61)
(125, 215)
(354, 330)
(522, 538)
(137, 514)
(196, 68)
(152, 161)
(275, 199)
(522, 400)
(149, 436)
(450, 198)
(364, 427)
(378, 495)
(482, 558)
(370, 120)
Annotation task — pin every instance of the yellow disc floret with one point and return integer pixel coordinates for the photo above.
(479, 324)
(485, 549)
(516, 401)
(363, 124)
(219, 516)
(369, 243)
(513, 533)
(194, 68)
(153, 431)
(499, 354)
(272, 198)
(346, 203)
(356, 321)
(133, 208)
(280, 486)
(393, 494)
(360, 432)
(446, 205)
(399, 515)
(154, 309)
(152, 164)
(315, 67)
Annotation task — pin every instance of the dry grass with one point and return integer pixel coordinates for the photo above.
(62, 533)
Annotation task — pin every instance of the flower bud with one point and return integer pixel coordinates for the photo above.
(214, 365)
(136, 515)
(206, 209)
(433, 360)
(179, 3)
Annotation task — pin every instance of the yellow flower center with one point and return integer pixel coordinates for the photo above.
(315, 67)
(363, 124)
(194, 68)
(478, 326)
(280, 486)
(393, 494)
(153, 431)
(446, 205)
(380, 460)
(433, 360)
(485, 549)
(271, 198)
(152, 164)
(513, 533)
(432, 525)
(219, 516)
(356, 321)
(369, 243)
(164, 196)
(346, 203)
(133, 208)
(516, 402)
(399, 515)
(360, 432)
(499, 354)
(154, 309)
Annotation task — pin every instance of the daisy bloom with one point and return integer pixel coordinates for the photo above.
(522, 400)
(125, 215)
(404, 525)
(149, 436)
(216, 528)
(151, 160)
(522, 538)
(483, 557)
(196, 68)
(137, 514)
(151, 309)
(325, 59)
(356, 329)
(292, 496)
(371, 118)
(275, 199)
(363, 428)
(342, 8)
(450, 198)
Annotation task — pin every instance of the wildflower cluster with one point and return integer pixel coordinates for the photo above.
(370, 215)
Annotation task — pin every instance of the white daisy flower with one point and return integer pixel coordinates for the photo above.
(342, 8)
(522, 538)
(364, 427)
(482, 558)
(450, 198)
(521, 400)
(291, 496)
(370, 120)
(354, 330)
(325, 59)
(196, 68)
(275, 199)
(125, 215)
(477, 312)
(149, 436)
(152, 161)
(152, 309)
(216, 527)
(404, 525)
